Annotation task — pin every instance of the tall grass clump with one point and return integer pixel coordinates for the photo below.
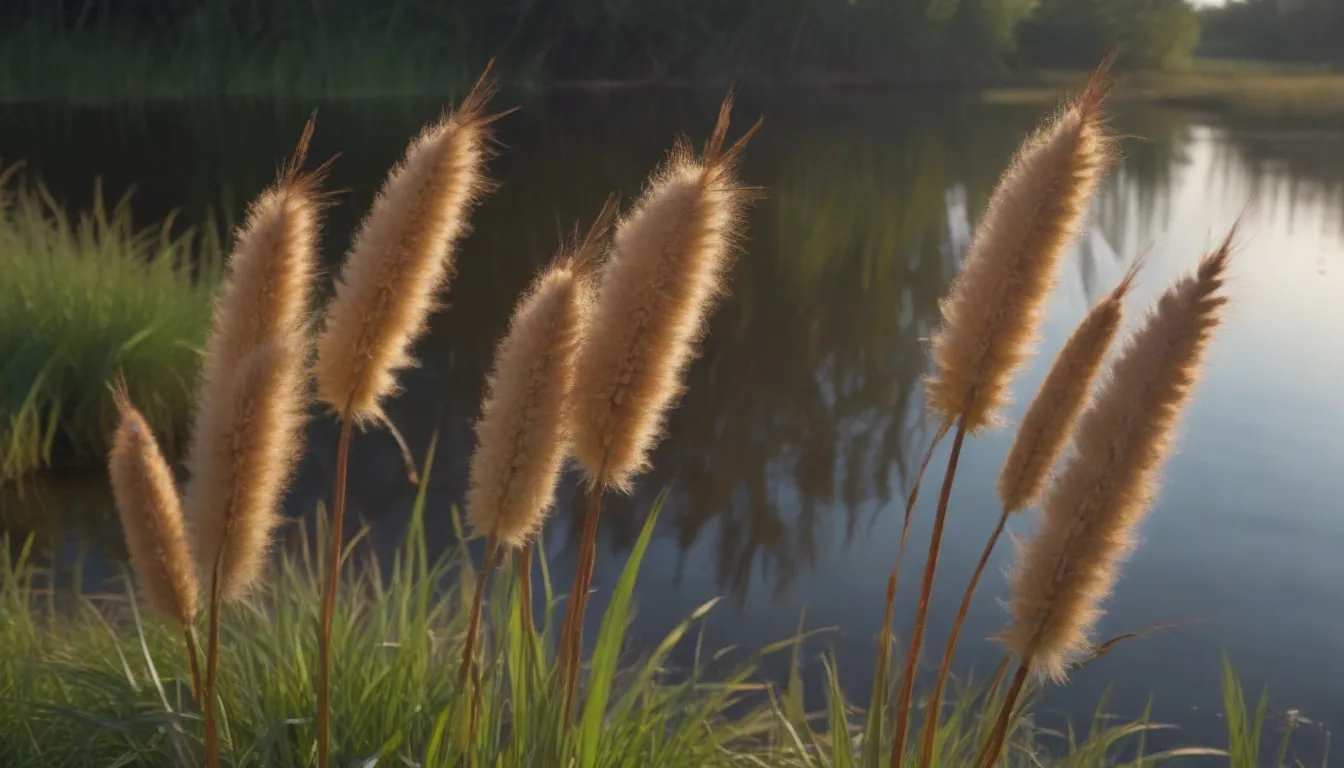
(991, 315)
(84, 299)
(400, 261)
(668, 260)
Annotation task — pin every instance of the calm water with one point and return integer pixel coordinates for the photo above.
(790, 453)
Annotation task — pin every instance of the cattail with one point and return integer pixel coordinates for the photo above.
(1060, 400)
(246, 443)
(524, 432)
(400, 259)
(151, 516)
(667, 264)
(1091, 509)
(991, 315)
(270, 272)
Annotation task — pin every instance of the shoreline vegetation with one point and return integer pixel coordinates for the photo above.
(317, 656)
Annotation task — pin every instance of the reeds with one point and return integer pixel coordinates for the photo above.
(668, 260)
(151, 517)
(992, 312)
(247, 431)
(401, 259)
(1041, 436)
(1104, 489)
(523, 434)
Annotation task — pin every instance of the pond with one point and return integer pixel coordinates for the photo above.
(789, 457)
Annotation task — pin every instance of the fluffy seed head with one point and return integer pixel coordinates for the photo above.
(524, 428)
(270, 271)
(151, 517)
(401, 258)
(1092, 508)
(246, 443)
(667, 264)
(991, 315)
(1050, 418)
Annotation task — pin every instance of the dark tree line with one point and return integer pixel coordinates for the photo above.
(874, 40)
(1280, 30)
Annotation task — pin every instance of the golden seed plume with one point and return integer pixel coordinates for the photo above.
(270, 271)
(523, 433)
(1046, 426)
(151, 516)
(246, 443)
(401, 258)
(667, 263)
(991, 315)
(1091, 509)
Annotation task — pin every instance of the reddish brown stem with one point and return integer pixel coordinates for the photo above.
(208, 712)
(474, 620)
(572, 629)
(994, 747)
(910, 508)
(525, 590)
(329, 598)
(936, 699)
(189, 635)
(906, 692)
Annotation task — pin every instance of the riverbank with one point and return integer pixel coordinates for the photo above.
(89, 678)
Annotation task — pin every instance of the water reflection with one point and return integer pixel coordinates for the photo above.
(797, 434)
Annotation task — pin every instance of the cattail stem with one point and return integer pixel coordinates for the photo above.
(208, 711)
(931, 718)
(572, 630)
(329, 599)
(994, 747)
(903, 698)
(893, 581)
(474, 621)
(189, 635)
(525, 590)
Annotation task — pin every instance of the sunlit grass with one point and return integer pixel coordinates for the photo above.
(85, 299)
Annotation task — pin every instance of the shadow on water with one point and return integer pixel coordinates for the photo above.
(801, 422)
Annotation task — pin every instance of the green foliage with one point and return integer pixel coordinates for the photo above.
(1148, 34)
(86, 299)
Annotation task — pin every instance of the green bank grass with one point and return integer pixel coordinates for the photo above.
(85, 299)
(87, 679)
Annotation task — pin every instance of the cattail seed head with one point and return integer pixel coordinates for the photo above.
(270, 271)
(524, 431)
(151, 517)
(400, 259)
(246, 443)
(666, 266)
(1092, 508)
(1049, 420)
(991, 315)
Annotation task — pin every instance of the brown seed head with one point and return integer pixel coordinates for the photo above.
(524, 428)
(1046, 426)
(1091, 509)
(667, 264)
(151, 516)
(247, 441)
(400, 260)
(991, 315)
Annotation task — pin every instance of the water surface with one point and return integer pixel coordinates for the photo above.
(790, 454)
